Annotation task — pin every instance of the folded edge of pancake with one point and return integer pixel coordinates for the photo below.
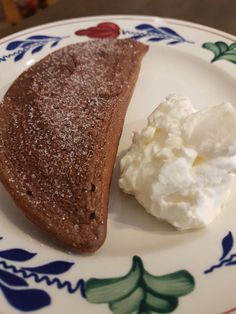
(60, 125)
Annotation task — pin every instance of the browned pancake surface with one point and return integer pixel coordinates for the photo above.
(60, 124)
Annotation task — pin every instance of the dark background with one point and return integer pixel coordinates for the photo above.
(220, 14)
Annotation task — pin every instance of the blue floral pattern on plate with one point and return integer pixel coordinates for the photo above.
(225, 259)
(16, 289)
(34, 44)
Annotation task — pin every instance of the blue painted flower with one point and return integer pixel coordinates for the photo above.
(225, 259)
(14, 285)
(33, 43)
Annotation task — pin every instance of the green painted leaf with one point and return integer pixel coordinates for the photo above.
(175, 284)
(140, 292)
(228, 56)
(222, 46)
(212, 47)
(222, 51)
(161, 304)
(111, 289)
(128, 305)
(232, 46)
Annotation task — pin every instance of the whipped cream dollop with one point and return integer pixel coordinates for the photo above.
(180, 166)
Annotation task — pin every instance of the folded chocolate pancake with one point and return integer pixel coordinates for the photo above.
(60, 125)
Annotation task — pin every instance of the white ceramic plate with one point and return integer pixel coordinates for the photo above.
(171, 271)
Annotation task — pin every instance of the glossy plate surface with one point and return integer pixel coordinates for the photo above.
(145, 266)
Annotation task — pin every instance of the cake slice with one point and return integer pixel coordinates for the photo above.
(60, 125)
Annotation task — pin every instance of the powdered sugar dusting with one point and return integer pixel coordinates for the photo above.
(56, 113)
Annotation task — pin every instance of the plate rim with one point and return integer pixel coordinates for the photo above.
(180, 22)
(59, 23)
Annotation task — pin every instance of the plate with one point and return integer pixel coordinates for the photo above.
(145, 266)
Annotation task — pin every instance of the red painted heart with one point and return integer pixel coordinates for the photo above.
(102, 30)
